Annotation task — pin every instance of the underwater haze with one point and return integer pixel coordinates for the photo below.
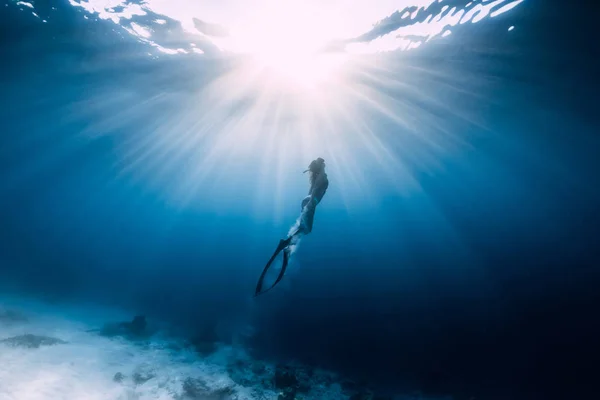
(152, 156)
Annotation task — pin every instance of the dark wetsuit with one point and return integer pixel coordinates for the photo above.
(309, 204)
(319, 186)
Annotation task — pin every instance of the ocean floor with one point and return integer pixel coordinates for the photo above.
(52, 352)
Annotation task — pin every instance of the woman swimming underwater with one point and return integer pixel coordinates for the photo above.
(318, 186)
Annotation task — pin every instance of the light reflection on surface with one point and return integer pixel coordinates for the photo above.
(309, 80)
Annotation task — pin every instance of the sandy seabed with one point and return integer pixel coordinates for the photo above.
(55, 353)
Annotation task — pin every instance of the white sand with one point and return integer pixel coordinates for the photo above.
(83, 369)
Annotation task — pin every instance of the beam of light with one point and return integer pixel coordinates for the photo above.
(302, 79)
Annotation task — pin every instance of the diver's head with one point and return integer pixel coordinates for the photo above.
(316, 166)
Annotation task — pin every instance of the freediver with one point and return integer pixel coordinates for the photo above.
(318, 186)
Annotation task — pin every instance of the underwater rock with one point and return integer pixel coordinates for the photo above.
(225, 393)
(11, 317)
(297, 378)
(197, 389)
(303, 376)
(285, 377)
(241, 377)
(259, 369)
(204, 348)
(359, 391)
(32, 341)
(362, 396)
(288, 394)
(136, 328)
(205, 339)
(364, 393)
(194, 388)
(118, 377)
(247, 373)
(143, 374)
(350, 387)
(204, 342)
(324, 378)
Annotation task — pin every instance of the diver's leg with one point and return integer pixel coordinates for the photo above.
(305, 220)
(305, 201)
(291, 238)
(305, 226)
(283, 243)
(308, 218)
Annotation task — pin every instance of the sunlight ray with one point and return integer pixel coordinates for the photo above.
(290, 82)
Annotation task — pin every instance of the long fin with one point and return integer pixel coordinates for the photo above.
(282, 245)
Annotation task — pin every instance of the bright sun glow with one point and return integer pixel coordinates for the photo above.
(287, 42)
(300, 69)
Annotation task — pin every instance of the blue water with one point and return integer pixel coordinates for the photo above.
(455, 252)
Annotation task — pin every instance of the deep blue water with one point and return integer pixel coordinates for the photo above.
(482, 283)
